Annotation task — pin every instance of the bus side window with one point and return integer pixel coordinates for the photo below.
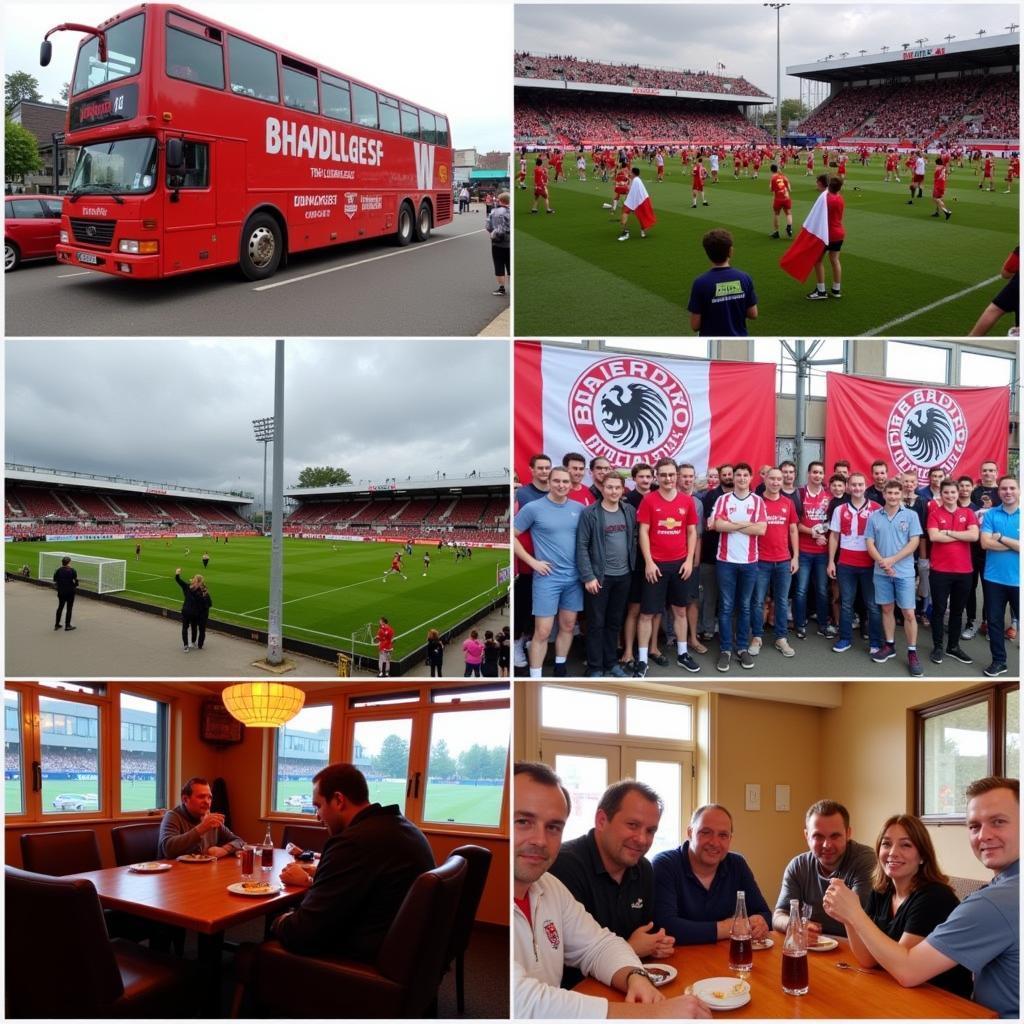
(253, 70)
(194, 59)
(196, 172)
(442, 131)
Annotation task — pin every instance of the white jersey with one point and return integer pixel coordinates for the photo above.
(919, 166)
(714, 161)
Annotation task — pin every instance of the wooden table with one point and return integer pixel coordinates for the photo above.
(193, 896)
(834, 992)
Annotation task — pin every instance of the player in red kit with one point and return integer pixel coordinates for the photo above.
(842, 166)
(756, 161)
(556, 162)
(810, 163)
(699, 175)
(836, 233)
(781, 200)
(892, 167)
(939, 189)
(986, 174)
(396, 566)
(540, 186)
(621, 187)
(522, 172)
(1012, 171)
(385, 645)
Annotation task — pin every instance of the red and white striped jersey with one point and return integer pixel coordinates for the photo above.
(739, 547)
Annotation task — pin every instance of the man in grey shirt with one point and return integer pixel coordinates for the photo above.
(831, 854)
(192, 827)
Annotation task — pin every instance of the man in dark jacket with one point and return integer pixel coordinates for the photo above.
(367, 867)
(66, 580)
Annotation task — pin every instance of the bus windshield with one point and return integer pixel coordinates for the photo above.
(124, 56)
(124, 165)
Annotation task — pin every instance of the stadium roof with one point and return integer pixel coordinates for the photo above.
(42, 477)
(478, 483)
(966, 55)
(636, 90)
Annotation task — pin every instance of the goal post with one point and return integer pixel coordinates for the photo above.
(103, 575)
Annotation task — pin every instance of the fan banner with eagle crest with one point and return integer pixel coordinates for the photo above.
(915, 426)
(634, 408)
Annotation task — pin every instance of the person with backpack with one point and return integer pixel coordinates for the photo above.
(499, 228)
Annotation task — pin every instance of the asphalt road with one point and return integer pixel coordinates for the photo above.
(439, 288)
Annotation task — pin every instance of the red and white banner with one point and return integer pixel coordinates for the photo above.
(633, 409)
(799, 259)
(915, 426)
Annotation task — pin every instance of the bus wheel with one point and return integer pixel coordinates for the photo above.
(261, 247)
(11, 256)
(406, 225)
(423, 223)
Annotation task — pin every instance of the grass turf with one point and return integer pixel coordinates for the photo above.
(574, 279)
(331, 589)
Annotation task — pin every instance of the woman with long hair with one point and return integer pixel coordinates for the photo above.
(195, 610)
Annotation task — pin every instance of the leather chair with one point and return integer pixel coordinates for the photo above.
(401, 983)
(309, 837)
(478, 864)
(60, 853)
(55, 925)
(135, 843)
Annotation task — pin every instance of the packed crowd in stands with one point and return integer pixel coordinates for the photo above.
(564, 122)
(961, 109)
(56, 760)
(573, 69)
(133, 763)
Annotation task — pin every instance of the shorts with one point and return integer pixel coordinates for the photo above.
(621, 191)
(554, 593)
(671, 588)
(918, 178)
(834, 246)
(782, 204)
(540, 193)
(500, 259)
(938, 193)
(898, 590)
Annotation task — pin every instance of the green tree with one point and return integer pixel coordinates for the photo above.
(323, 476)
(496, 762)
(442, 764)
(65, 91)
(21, 152)
(474, 762)
(18, 86)
(393, 760)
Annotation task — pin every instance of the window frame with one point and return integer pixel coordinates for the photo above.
(204, 37)
(994, 696)
(229, 85)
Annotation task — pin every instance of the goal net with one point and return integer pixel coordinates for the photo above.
(103, 575)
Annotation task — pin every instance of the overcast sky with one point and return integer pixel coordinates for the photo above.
(440, 55)
(181, 411)
(742, 36)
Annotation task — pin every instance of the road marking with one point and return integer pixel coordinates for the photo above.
(931, 306)
(81, 273)
(372, 259)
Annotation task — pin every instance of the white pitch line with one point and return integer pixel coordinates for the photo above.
(358, 263)
(320, 593)
(931, 306)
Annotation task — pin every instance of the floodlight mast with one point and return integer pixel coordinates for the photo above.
(275, 654)
(264, 431)
(777, 8)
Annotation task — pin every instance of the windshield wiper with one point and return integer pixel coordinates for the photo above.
(100, 188)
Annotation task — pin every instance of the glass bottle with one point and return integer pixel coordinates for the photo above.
(794, 954)
(741, 951)
(267, 851)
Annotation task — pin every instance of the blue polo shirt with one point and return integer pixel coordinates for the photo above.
(983, 934)
(1002, 566)
(685, 909)
(890, 535)
(722, 297)
(553, 529)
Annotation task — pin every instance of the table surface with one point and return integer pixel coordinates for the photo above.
(191, 896)
(834, 992)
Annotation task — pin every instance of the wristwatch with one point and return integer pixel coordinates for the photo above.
(639, 970)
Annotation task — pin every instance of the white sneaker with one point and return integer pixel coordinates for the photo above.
(519, 655)
(783, 647)
(754, 647)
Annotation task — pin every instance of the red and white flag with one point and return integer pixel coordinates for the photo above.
(633, 408)
(639, 202)
(915, 426)
(809, 245)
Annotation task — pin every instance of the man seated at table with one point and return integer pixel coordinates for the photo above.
(695, 885)
(367, 866)
(192, 827)
(983, 932)
(551, 929)
(607, 870)
(832, 853)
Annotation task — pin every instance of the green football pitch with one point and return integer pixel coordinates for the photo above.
(445, 802)
(904, 272)
(332, 590)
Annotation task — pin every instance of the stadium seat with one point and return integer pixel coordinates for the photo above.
(58, 922)
(60, 853)
(135, 843)
(308, 837)
(478, 864)
(401, 983)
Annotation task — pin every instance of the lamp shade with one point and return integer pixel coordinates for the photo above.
(263, 705)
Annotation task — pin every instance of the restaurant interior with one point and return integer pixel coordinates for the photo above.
(91, 768)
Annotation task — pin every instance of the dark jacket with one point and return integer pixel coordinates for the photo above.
(364, 874)
(197, 603)
(66, 579)
(590, 552)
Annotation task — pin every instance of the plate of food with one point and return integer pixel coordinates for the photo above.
(823, 945)
(255, 888)
(765, 943)
(196, 858)
(661, 974)
(149, 867)
(722, 993)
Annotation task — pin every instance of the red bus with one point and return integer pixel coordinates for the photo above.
(202, 147)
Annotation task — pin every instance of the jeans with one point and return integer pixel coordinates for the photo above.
(997, 597)
(851, 579)
(777, 576)
(605, 612)
(709, 598)
(735, 589)
(954, 588)
(811, 567)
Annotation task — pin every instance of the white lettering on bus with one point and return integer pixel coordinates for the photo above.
(424, 165)
(289, 138)
(329, 199)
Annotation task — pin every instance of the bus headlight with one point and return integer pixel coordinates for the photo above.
(137, 248)
(64, 237)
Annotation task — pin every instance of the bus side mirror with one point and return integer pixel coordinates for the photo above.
(45, 53)
(175, 155)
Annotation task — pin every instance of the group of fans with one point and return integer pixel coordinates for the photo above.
(721, 556)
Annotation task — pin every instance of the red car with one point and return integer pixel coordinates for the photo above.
(31, 228)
